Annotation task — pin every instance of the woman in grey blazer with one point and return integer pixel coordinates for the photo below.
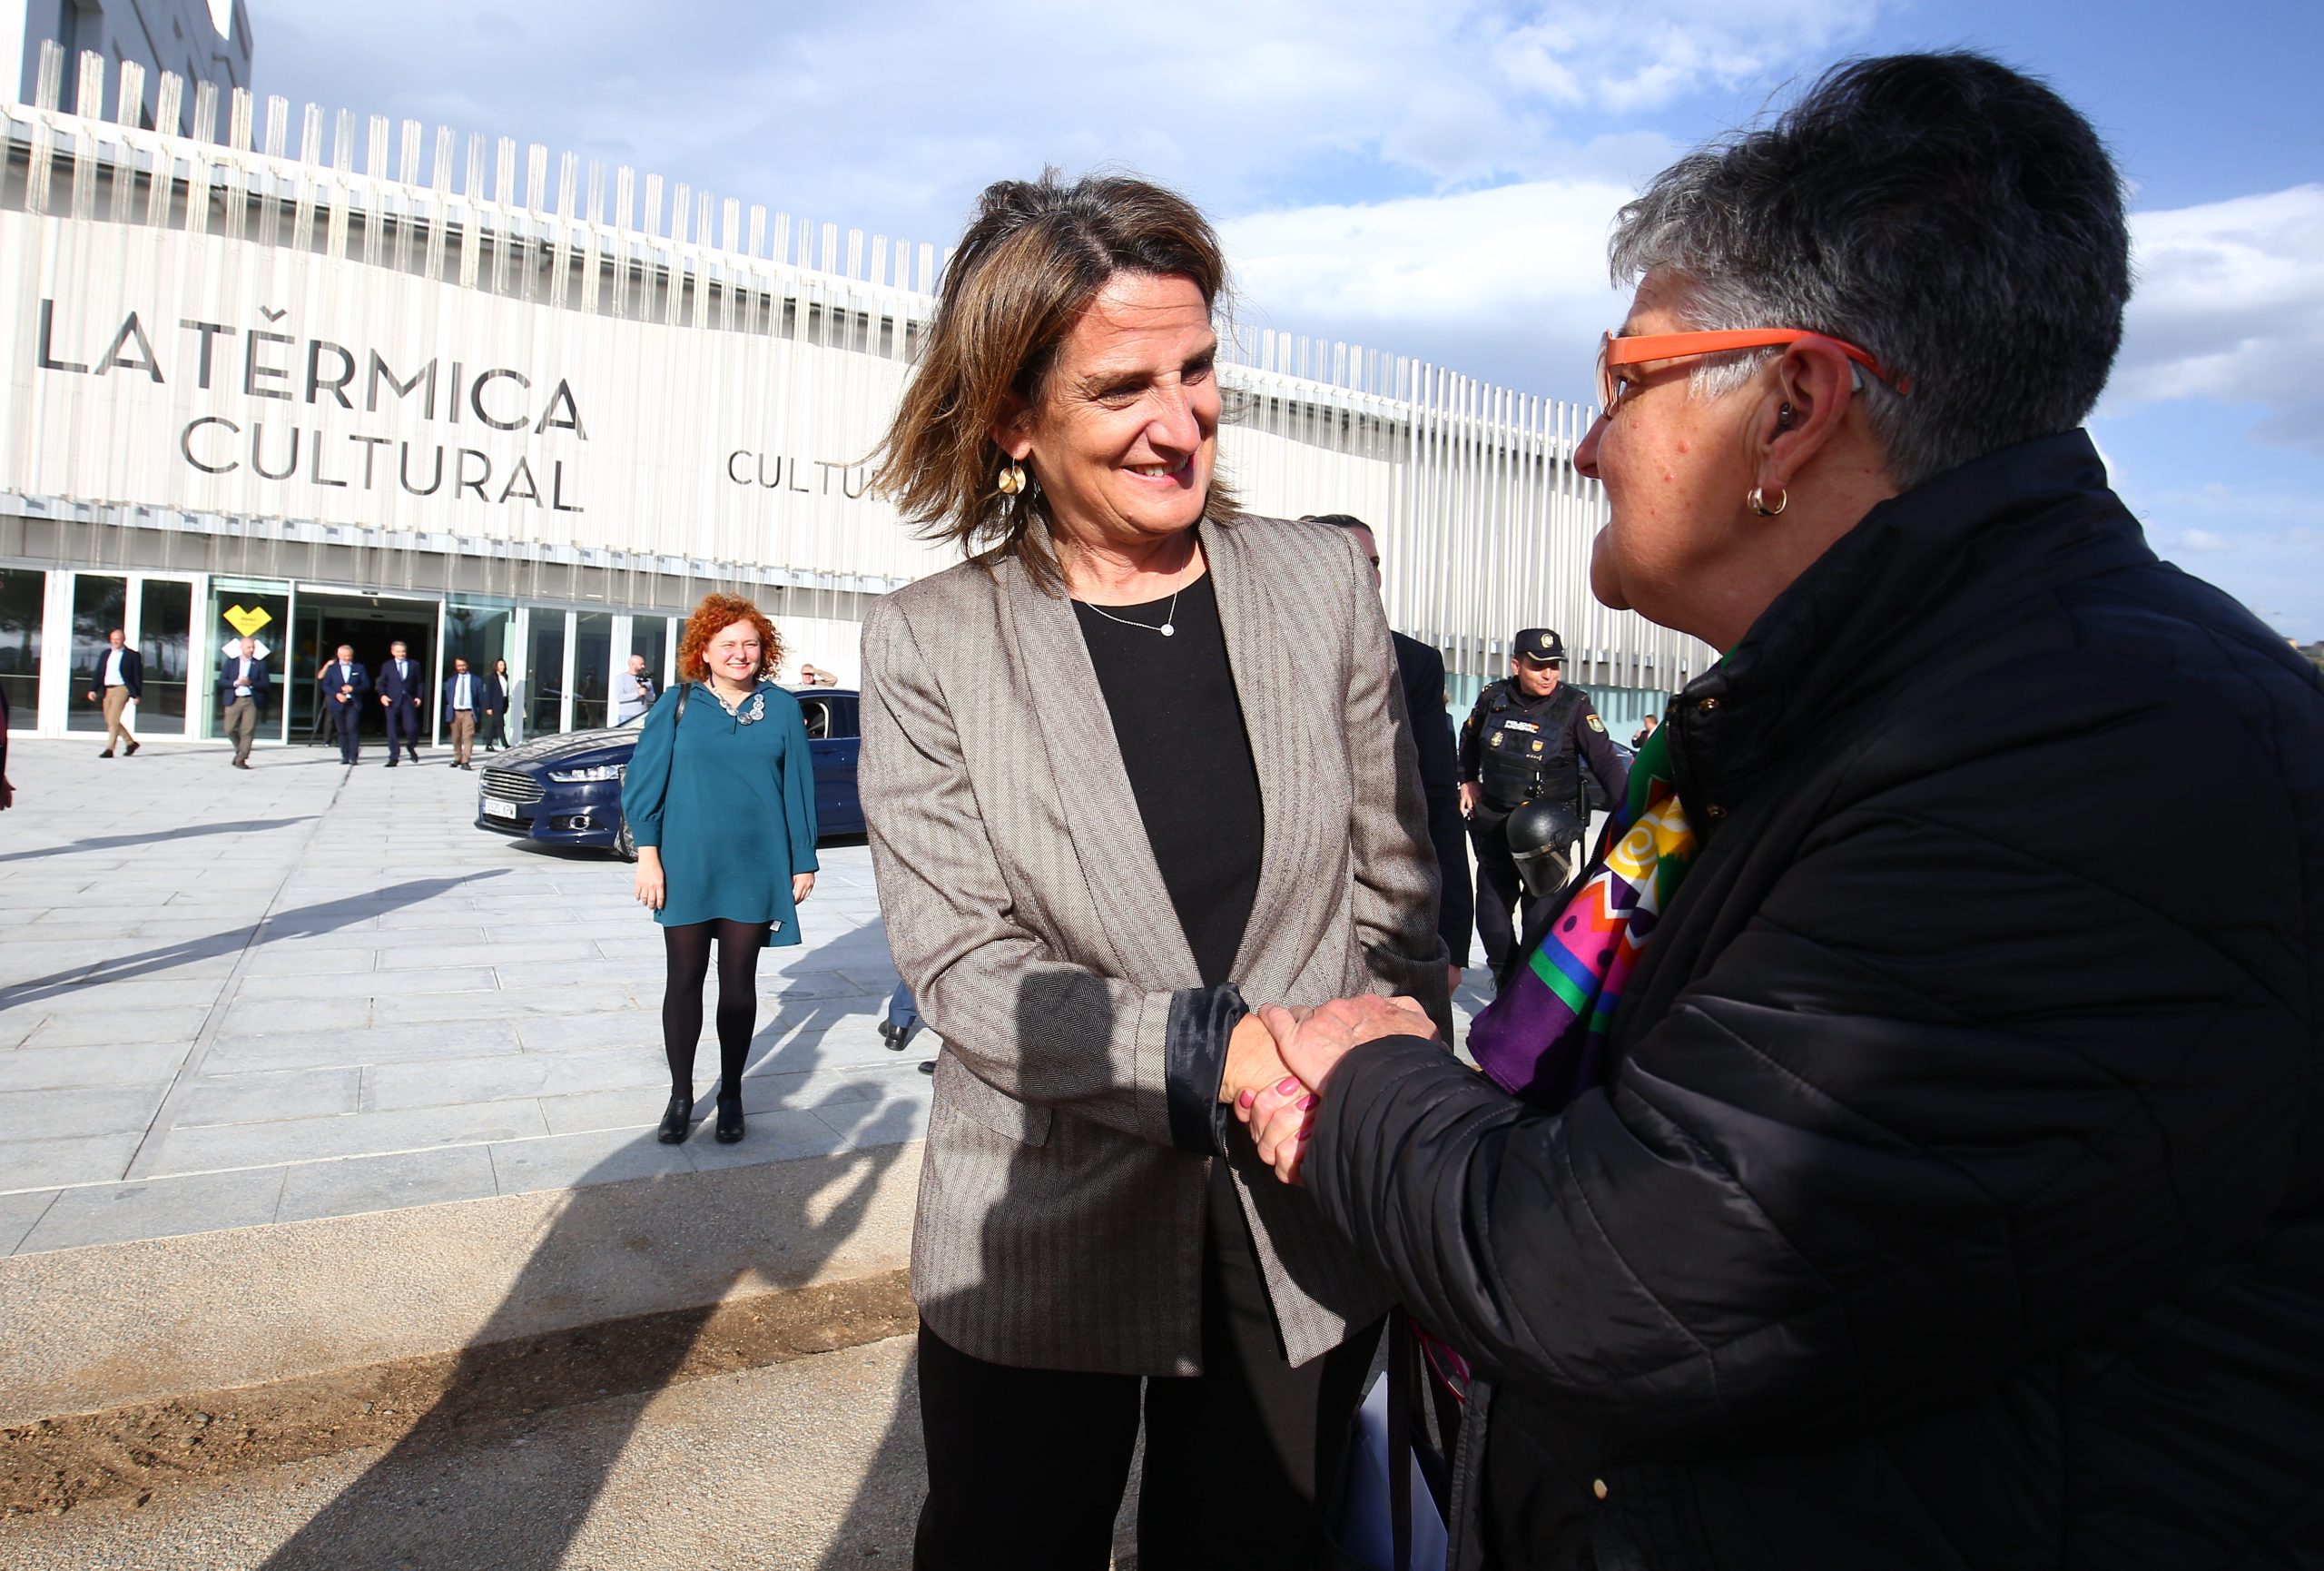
(1136, 767)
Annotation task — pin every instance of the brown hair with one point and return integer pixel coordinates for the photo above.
(1036, 254)
(715, 616)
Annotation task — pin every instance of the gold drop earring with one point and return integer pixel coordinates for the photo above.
(1013, 479)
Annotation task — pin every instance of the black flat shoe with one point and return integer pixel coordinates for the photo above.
(678, 1119)
(729, 1117)
(892, 1034)
(132, 750)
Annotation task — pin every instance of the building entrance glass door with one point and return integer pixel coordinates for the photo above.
(23, 591)
(164, 635)
(323, 619)
(261, 609)
(546, 673)
(100, 605)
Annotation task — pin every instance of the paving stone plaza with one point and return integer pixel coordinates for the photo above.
(230, 998)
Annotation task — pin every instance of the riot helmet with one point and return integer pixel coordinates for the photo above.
(1541, 837)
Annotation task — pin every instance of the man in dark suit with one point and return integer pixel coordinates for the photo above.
(401, 686)
(1421, 670)
(343, 683)
(118, 681)
(466, 704)
(243, 687)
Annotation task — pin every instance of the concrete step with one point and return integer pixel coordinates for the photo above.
(131, 1365)
(814, 1463)
(98, 1328)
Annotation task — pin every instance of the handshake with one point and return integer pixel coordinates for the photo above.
(1278, 1061)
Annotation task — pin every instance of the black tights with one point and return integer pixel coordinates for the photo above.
(688, 947)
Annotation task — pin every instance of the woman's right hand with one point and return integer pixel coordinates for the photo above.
(651, 890)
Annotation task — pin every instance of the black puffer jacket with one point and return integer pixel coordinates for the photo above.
(1957, 1199)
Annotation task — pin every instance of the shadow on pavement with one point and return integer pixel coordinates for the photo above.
(419, 1508)
(300, 922)
(115, 842)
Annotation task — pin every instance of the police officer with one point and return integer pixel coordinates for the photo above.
(1525, 741)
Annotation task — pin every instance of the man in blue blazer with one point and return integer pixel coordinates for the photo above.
(343, 683)
(402, 690)
(468, 704)
(243, 687)
(117, 682)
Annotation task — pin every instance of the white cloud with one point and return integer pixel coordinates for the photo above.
(891, 114)
(2201, 541)
(1514, 276)
(1433, 177)
(2264, 547)
(1627, 58)
(2230, 305)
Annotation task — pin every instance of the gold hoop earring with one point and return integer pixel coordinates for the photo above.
(1013, 479)
(1759, 503)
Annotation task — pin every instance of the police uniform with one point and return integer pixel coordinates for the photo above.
(1521, 749)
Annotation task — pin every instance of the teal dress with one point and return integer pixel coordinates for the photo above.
(731, 806)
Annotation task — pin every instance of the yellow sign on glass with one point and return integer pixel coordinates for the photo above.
(247, 623)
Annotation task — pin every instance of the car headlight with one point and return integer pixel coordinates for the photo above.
(577, 776)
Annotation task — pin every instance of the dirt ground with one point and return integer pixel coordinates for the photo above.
(50, 1467)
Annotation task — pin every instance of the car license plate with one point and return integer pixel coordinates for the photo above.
(497, 809)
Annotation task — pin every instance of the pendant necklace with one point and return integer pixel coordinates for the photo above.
(735, 712)
(1166, 629)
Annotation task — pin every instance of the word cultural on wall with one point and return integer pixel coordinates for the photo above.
(263, 364)
(804, 476)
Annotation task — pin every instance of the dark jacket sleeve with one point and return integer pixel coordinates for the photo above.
(1472, 740)
(1968, 1081)
(133, 673)
(258, 684)
(1423, 669)
(1597, 749)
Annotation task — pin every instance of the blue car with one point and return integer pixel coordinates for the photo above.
(566, 790)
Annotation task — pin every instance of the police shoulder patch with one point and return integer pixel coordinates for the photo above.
(1597, 724)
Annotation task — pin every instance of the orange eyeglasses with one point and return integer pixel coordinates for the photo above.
(1615, 352)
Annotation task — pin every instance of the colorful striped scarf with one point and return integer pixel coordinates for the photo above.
(1543, 1038)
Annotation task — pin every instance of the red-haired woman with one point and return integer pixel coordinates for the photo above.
(721, 799)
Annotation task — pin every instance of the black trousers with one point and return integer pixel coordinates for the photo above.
(348, 719)
(1503, 904)
(403, 725)
(1026, 1468)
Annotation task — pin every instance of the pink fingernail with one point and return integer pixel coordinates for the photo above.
(1289, 1083)
(1305, 1103)
(1247, 1098)
(1305, 1133)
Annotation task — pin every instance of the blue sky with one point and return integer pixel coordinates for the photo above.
(1434, 177)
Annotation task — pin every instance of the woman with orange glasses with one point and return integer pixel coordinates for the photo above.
(1892, 1156)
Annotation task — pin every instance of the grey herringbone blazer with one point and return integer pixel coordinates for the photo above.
(1059, 1227)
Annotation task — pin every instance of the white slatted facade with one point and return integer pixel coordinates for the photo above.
(731, 367)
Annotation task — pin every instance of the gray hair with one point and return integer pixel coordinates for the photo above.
(1954, 219)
